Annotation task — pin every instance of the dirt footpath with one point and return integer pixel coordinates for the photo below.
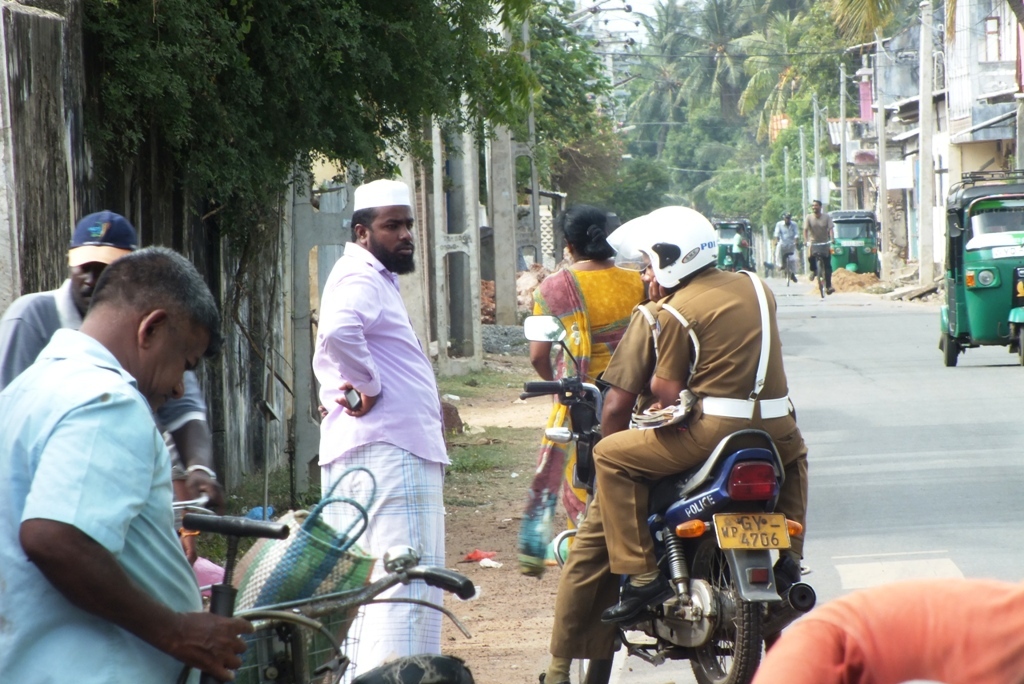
(511, 619)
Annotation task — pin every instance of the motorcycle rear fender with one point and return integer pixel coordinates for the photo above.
(740, 561)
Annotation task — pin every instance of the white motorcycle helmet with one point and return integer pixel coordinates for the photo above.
(679, 242)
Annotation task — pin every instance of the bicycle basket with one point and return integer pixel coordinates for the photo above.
(315, 559)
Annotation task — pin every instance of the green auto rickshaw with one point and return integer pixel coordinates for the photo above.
(984, 264)
(856, 245)
(734, 245)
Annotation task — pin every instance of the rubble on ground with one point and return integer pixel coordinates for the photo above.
(849, 281)
(487, 302)
(526, 282)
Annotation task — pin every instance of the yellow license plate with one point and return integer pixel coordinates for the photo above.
(752, 531)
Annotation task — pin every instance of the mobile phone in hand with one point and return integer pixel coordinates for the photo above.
(355, 402)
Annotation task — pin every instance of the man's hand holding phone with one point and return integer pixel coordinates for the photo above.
(354, 402)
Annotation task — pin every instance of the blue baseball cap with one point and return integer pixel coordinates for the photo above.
(102, 238)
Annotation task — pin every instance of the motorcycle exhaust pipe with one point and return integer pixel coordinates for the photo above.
(798, 600)
(801, 597)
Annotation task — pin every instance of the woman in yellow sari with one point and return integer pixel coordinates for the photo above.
(594, 299)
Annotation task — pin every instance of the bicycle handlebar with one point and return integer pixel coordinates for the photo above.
(234, 526)
(443, 578)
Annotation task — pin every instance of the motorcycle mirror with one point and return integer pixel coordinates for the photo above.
(543, 329)
(558, 435)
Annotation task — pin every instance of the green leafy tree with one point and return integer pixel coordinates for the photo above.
(714, 68)
(658, 103)
(770, 66)
(235, 92)
(642, 185)
(576, 145)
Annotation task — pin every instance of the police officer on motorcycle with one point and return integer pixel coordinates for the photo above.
(705, 339)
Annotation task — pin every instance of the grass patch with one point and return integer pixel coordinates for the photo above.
(503, 374)
(484, 462)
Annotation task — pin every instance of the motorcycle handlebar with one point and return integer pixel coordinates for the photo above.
(542, 387)
(531, 395)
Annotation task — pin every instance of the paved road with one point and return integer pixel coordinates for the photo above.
(916, 470)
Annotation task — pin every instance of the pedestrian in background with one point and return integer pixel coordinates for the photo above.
(785, 237)
(819, 232)
(28, 324)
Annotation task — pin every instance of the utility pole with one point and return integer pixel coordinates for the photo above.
(803, 174)
(925, 153)
(883, 193)
(842, 138)
(762, 169)
(531, 129)
(803, 186)
(817, 152)
(785, 178)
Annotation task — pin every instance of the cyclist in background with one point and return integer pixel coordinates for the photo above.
(786, 234)
(819, 231)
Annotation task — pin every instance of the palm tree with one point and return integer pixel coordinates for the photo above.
(660, 103)
(715, 67)
(859, 19)
(773, 76)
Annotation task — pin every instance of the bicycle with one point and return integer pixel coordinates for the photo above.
(300, 642)
(789, 266)
(819, 266)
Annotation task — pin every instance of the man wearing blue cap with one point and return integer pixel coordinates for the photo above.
(29, 323)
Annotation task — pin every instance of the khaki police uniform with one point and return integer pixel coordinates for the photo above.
(716, 355)
(586, 586)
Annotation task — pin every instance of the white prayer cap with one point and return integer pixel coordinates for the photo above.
(381, 193)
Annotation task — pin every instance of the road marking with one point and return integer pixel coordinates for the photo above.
(863, 575)
(895, 553)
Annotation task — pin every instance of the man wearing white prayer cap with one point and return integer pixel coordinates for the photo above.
(383, 414)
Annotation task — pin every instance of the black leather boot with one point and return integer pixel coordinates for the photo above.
(633, 600)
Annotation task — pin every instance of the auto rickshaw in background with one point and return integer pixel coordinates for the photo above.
(735, 238)
(856, 245)
(984, 264)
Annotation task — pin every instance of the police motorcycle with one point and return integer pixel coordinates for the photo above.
(714, 529)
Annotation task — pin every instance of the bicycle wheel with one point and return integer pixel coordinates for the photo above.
(819, 268)
(419, 669)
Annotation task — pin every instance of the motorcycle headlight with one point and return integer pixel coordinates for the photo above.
(837, 250)
(986, 278)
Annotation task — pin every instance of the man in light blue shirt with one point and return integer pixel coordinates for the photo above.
(96, 587)
(786, 234)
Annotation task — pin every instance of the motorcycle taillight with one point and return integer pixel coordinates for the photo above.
(752, 482)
